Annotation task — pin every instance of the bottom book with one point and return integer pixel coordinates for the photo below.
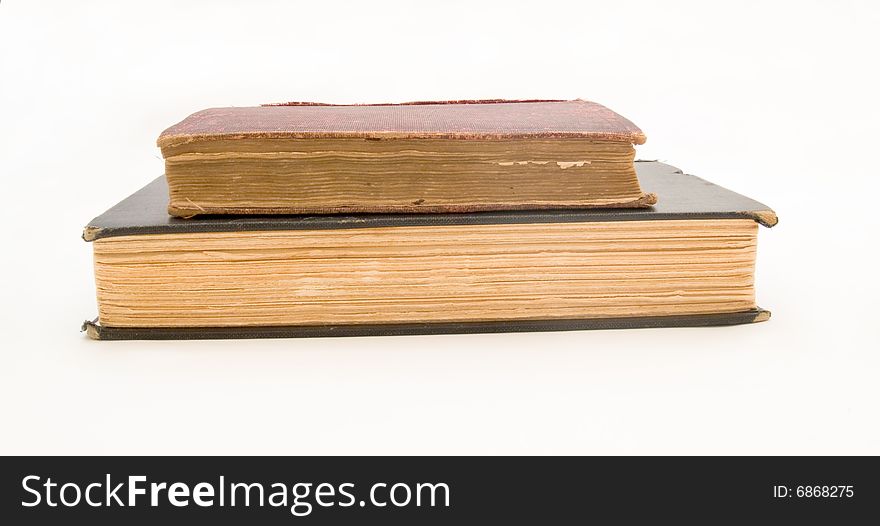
(688, 261)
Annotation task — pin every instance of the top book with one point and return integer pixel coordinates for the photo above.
(436, 157)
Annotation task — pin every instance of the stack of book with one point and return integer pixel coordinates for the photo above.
(305, 219)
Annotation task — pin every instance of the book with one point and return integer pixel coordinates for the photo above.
(688, 261)
(431, 157)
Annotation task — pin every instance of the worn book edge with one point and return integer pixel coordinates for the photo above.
(196, 210)
(96, 331)
(631, 133)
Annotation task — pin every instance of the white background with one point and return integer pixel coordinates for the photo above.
(775, 100)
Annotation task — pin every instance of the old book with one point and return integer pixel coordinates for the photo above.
(688, 261)
(435, 157)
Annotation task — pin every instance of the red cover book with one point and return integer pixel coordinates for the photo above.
(450, 156)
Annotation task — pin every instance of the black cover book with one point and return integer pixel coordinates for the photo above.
(681, 197)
